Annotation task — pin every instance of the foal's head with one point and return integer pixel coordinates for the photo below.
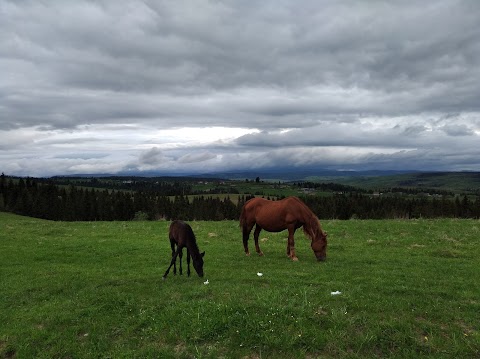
(198, 264)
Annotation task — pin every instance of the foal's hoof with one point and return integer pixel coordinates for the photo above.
(247, 254)
(295, 259)
(260, 254)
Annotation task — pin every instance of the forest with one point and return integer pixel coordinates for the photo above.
(123, 200)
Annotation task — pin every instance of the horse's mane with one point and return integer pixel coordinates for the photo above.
(311, 225)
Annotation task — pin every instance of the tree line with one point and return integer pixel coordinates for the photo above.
(161, 185)
(48, 200)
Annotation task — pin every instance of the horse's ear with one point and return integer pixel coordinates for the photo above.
(202, 254)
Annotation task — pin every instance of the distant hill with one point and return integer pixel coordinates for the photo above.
(296, 174)
(274, 173)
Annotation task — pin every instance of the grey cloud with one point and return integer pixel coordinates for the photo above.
(331, 134)
(83, 156)
(422, 160)
(458, 130)
(415, 130)
(319, 69)
(196, 157)
(152, 157)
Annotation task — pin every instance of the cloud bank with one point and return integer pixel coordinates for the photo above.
(103, 87)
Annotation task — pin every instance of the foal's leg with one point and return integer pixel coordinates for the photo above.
(172, 263)
(255, 236)
(291, 244)
(172, 244)
(180, 255)
(188, 262)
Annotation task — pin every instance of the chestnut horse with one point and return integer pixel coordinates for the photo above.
(181, 235)
(275, 216)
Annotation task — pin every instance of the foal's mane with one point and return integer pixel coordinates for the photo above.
(191, 243)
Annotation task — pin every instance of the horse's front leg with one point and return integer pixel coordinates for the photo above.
(291, 244)
(188, 263)
(246, 234)
(255, 236)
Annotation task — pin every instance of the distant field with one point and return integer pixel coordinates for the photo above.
(266, 188)
(459, 182)
(409, 289)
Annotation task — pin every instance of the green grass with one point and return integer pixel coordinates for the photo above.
(410, 289)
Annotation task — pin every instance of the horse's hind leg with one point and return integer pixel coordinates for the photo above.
(255, 236)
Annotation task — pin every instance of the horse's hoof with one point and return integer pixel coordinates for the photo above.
(260, 254)
(163, 278)
(295, 259)
(247, 254)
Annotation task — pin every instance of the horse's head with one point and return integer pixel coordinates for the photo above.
(198, 264)
(319, 246)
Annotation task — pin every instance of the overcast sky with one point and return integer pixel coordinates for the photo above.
(200, 86)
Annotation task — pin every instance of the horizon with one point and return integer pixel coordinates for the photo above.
(262, 174)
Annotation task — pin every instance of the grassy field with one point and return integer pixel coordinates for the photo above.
(409, 289)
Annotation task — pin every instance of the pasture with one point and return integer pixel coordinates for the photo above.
(409, 289)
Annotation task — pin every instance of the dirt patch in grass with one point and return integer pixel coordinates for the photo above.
(415, 245)
(448, 253)
(7, 351)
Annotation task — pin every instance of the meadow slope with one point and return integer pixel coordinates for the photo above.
(94, 289)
